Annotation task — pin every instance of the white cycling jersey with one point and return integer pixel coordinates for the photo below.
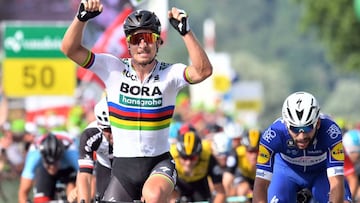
(140, 112)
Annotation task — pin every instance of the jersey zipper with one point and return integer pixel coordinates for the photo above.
(304, 155)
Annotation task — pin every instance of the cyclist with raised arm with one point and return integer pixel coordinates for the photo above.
(141, 93)
(95, 155)
(51, 159)
(195, 163)
(303, 149)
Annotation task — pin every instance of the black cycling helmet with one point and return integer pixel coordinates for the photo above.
(188, 141)
(51, 149)
(142, 19)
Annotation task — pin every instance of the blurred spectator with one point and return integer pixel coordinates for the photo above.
(17, 127)
(76, 121)
(13, 145)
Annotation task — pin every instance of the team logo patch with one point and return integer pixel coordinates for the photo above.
(269, 135)
(264, 155)
(334, 131)
(290, 143)
(337, 152)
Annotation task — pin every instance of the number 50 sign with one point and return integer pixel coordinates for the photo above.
(23, 77)
(34, 64)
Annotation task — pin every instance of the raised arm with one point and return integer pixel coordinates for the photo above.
(72, 42)
(200, 67)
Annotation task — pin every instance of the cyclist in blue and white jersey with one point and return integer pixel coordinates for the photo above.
(141, 93)
(303, 149)
(95, 155)
(50, 160)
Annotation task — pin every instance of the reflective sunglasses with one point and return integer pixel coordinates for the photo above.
(191, 158)
(149, 38)
(302, 129)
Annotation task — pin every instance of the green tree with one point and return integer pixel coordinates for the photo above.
(344, 100)
(336, 25)
(251, 68)
(267, 43)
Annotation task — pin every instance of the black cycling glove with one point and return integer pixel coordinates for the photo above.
(84, 15)
(182, 26)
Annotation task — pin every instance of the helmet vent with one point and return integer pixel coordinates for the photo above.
(189, 143)
(310, 113)
(51, 149)
(142, 19)
(289, 113)
(300, 114)
(300, 109)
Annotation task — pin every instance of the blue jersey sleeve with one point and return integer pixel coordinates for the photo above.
(33, 160)
(270, 144)
(71, 157)
(333, 136)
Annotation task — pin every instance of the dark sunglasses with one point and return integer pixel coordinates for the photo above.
(302, 129)
(47, 163)
(149, 38)
(190, 158)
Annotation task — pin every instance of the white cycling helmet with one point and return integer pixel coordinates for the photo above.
(221, 143)
(233, 130)
(300, 109)
(351, 141)
(101, 111)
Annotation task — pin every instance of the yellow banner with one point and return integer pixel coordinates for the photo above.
(254, 105)
(44, 76)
